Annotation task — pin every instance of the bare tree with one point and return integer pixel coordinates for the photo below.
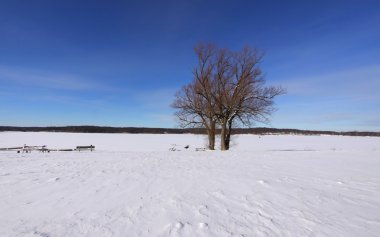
(228, 89)
(244, 98)
(194, 102)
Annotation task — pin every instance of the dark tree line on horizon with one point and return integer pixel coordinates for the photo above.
(228, 90)
(146, 130)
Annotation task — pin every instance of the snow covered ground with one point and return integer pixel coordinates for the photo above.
(133, 186)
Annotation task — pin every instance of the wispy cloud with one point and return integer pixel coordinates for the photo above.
(341, 100)
(357, 83)
(155, 99)
(44, 79)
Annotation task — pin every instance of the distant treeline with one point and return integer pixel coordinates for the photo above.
(259, 131)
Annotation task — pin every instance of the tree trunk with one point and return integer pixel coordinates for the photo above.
(223, 134)
(211, 136)
(228, 135)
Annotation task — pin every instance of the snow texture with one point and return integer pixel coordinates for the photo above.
(132, 185)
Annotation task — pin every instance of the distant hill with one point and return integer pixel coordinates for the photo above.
(98, 129)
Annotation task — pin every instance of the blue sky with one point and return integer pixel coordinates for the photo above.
(119, 63)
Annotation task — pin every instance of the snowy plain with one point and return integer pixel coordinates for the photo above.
(132, 185)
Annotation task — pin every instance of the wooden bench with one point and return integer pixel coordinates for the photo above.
(91, 147)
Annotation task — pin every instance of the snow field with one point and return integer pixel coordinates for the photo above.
(133, 186)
